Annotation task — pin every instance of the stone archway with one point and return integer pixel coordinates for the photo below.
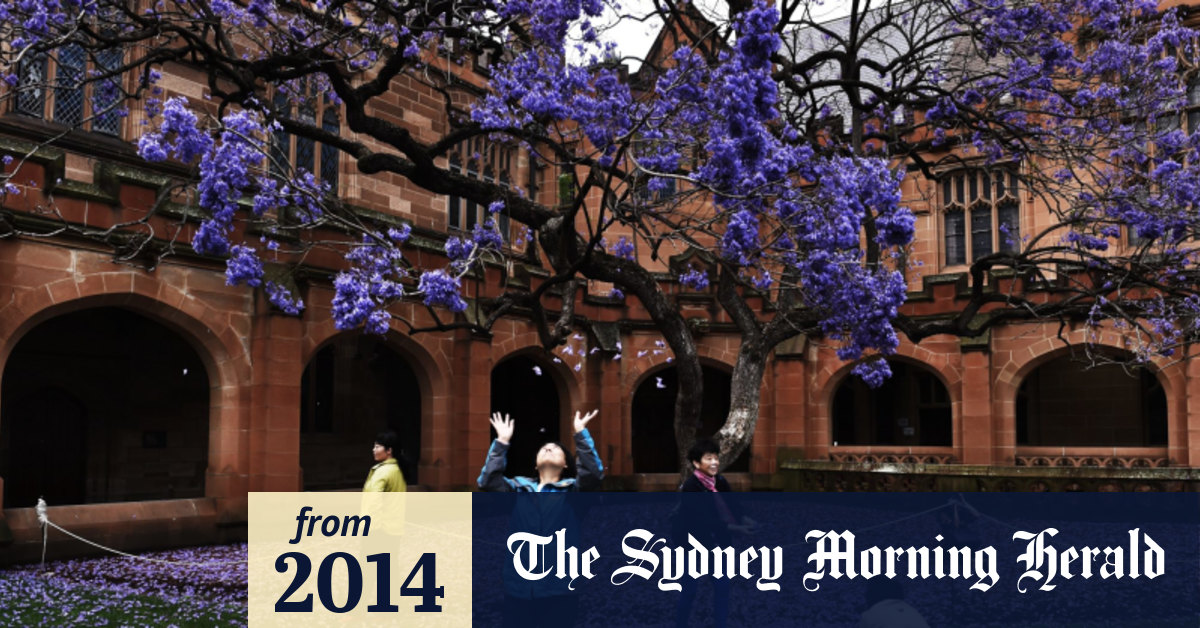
(912, 408)
(653, 416)
(103, 405)
(1074, 403)
(354, 387)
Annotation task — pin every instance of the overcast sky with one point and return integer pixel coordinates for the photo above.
(633, 37)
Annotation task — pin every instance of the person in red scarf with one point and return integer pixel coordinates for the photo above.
(711, 522)
(705, 457)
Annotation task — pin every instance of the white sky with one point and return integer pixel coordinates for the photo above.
(634, 38)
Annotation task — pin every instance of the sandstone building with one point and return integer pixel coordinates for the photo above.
(144, 398)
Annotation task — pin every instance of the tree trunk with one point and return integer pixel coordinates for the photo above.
(688, 403)
(745, 399)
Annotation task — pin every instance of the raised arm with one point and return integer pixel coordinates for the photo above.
(591, 470)
(491, 477)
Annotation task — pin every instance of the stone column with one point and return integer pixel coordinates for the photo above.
(785, 432)
(470, 406)
(274, 417)
(977, 432)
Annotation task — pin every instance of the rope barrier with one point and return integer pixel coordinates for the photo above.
(44, 519)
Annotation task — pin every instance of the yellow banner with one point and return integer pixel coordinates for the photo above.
(360, 559)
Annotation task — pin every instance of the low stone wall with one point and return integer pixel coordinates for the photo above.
(812, 475)
(126, 526)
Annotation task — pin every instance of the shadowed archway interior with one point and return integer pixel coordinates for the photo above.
(103, 405)
(523, 388)
(911, 408)
(354, 388)
(1065, 403)
(654, 447)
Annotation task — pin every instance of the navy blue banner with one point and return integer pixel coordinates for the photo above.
(848, 559)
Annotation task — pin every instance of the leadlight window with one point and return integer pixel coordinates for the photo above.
(64, 87)
(301, 152)
(980, 213)
(483, 160)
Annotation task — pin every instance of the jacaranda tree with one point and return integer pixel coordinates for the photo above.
(767, 142)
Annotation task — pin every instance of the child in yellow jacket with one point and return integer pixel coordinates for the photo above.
(385, 476)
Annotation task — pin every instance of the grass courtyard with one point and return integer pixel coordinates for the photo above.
(116, 591)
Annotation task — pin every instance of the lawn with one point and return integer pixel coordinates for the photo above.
(127, 592)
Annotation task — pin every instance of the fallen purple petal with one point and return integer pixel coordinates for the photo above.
(208, 591)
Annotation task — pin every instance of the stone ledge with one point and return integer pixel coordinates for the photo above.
(1186, 474)
(819, 475)
(126, 526)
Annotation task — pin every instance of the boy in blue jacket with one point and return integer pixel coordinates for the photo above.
(549, 602)
(551, 462)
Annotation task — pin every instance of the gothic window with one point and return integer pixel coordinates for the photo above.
(306, 148)
(980, 214)
(68, 85)
(303, 153)
(31, 88)
(486, 161)
(456, 203)
(57, 87)
(1192, 113)
(107, 93)
(329, 154)
(281, 141)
